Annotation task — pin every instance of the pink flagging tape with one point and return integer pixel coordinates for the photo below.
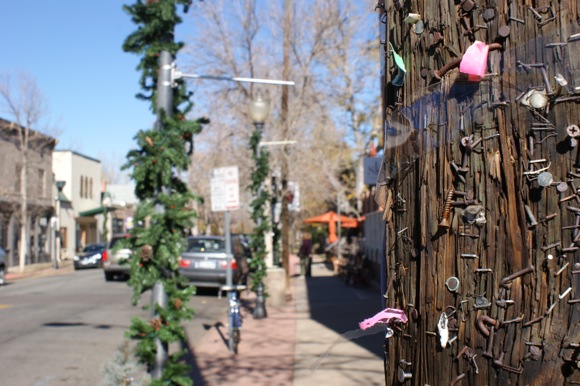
(384, 316)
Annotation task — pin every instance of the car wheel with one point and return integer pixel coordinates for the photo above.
(109, 276)
(2, 276)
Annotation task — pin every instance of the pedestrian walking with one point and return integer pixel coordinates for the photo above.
(305, 255)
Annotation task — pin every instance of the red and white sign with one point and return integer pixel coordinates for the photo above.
(225, 189)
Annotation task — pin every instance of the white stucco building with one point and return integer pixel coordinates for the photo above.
(82, 218)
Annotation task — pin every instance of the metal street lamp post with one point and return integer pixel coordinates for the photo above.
(259, 110)
(59, 187)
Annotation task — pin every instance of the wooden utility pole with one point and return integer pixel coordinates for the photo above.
(481, 198)
(285, 215)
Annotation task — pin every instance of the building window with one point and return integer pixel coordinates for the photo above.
(82, 186)
(91, 188)
(41, 183)
(63, 239)
(86, 187)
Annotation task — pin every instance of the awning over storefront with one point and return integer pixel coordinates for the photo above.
(62, 197)
(95, 211)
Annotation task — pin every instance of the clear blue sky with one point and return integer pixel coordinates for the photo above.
(73, 50)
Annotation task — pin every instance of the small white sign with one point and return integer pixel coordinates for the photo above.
(225, 189)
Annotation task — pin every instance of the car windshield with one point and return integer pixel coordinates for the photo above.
(115, 240)
(206, 245)
(93, 248)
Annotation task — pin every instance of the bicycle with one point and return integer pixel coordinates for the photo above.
(234, 316)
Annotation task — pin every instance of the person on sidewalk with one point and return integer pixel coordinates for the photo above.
(305, 255)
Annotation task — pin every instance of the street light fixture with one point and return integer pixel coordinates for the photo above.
(259, 110)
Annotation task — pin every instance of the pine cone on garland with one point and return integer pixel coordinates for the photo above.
(177, 303)
(155, 323)
(146, 253)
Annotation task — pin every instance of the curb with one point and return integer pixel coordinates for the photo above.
(39, 270)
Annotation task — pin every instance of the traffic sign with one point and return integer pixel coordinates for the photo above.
(225, 189)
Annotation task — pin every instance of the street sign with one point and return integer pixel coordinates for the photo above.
(372, 165)
(225, 189)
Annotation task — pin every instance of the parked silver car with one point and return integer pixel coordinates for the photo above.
(115, 260)
(204, 261)
(2, 266)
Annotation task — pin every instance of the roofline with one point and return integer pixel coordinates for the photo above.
(6, 124)
(77, 153)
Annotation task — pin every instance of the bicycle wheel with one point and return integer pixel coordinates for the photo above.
(236, 339)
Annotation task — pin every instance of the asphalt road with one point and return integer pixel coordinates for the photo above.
(61, 330)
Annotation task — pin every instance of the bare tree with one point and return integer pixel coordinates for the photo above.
(27, 108)
(111, 165)
(246, 41)
(348, 80)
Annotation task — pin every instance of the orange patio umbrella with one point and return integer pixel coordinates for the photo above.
(332, 218)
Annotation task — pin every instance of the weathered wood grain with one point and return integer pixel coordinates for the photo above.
(425, 255)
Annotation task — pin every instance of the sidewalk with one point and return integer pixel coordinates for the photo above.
(296, 345)
(286, 347)
(39, 270)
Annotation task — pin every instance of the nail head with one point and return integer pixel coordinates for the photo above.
(562, 187)
(573, 131)
(467, 5)
(488, 14)
(545, 179)
(419, 27)
(504, 31)
(452, 284)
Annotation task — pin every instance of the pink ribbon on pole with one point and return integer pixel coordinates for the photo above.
(474, 61)
(384, 316)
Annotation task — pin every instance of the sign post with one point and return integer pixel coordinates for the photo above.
(225, 196)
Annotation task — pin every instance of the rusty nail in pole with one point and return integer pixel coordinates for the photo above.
(517, 274)
(531, 217)
(533, 321)
(573, 301)
(561, 270)
(504, 303)
(546, 248)
(488, 353)
(517, 20)
(469, 256)
(546, 21)
(516, 320)
(536, 14)
(551, 308)
(483, 270)
(541, 344)
(548, 217)
(403, 376)
(482, 320)
(565, 293)
(568, 198)
(457, 379)
(549, 90)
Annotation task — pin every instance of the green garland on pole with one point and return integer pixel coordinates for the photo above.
(262, 221)
(158, 237)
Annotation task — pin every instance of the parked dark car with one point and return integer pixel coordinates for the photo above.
(2, 266)
(116, 259)
(91, 256)
(204, 261)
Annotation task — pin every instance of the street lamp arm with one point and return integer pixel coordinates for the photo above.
(276, 143)
(178, 75)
